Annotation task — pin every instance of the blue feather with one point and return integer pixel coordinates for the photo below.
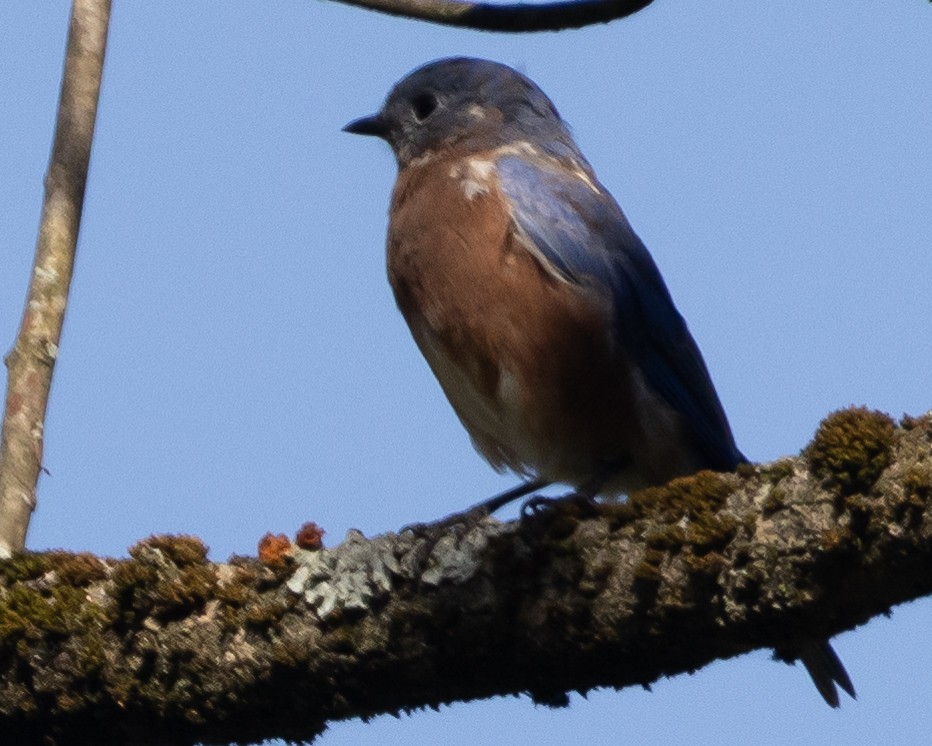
(584, 236)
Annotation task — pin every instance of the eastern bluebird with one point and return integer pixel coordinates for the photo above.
(539, 310)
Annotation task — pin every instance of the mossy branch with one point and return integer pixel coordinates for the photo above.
(168, 648)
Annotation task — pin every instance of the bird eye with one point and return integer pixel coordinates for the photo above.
(424, 105)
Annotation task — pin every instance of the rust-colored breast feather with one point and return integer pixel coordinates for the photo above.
(525, 358)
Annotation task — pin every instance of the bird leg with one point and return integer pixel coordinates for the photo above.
(582, 498)
(468, 518)
(509, 496)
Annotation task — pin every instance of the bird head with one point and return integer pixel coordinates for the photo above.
(465, 104)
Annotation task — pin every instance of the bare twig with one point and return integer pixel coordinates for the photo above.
(514, 18)
(32, 359)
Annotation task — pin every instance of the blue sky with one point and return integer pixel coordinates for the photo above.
(233, 362)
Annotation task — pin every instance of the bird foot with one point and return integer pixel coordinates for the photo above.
(467, 519)
(580, 503)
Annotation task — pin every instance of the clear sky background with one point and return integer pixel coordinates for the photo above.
(233, 362)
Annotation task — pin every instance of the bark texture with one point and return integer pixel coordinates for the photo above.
(168, 648)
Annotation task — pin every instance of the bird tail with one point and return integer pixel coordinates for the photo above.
(826, 670)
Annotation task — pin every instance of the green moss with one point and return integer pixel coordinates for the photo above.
(708, 531)
(773, 475)
(267, 612)
(648, 569)
(241, 604)
(917, 484)
(917, 493)
(697, 499)
(77, 570)
(91, 655)
(129, 584)
(24, 566)
(685, 516)
(665, 537)
(28, 613)
(709, 564)
(181, 550)
(851, 449)
(65, 568)
(862, 520)
(168, 577)
(234, 594)
(775, 500)
(779, 470)
(704, 492)
(924, 423)
(178, 596)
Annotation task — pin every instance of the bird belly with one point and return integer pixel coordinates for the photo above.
(558, 412)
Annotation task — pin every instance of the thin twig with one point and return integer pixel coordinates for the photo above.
(31, 361)
(513, 18)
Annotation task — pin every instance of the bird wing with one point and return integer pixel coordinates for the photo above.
(571, 223)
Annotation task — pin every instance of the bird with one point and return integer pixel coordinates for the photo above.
(538, 308)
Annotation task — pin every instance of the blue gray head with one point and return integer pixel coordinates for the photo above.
(468, 104)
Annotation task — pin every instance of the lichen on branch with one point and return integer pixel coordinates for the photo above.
(166, 647)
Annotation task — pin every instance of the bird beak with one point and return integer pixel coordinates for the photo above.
(374, 125)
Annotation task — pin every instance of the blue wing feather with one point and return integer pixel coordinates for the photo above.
(586, 238)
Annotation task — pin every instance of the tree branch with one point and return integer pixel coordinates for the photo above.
(519, 17)
(168, 648)
(32, 359)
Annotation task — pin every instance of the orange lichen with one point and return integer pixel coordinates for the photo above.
(310, 536)
(274, 549)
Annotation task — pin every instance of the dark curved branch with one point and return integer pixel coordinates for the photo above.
(514, 18)
(32, 359)
(166, 648)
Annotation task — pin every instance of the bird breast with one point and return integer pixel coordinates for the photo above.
(525, 358)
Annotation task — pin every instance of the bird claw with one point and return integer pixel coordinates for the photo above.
(539, 504)
(581, 502)
(469, 518)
